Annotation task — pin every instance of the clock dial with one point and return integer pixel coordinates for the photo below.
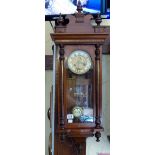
(77, 111)
(79, 62)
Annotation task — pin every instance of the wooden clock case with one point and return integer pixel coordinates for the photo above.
(71, 33)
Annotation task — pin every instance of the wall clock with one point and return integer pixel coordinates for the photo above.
(78, 86)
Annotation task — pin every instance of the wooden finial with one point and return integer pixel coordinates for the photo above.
(98, 19)
(79, 7)
(60, 20)
(98, 135)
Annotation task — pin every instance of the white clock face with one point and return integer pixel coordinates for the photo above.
(77, 111)
(79, 62)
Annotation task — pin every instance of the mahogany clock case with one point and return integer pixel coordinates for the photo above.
(78, 90)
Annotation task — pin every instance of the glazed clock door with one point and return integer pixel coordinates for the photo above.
(79, 88)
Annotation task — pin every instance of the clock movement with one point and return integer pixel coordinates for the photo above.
(78, 82)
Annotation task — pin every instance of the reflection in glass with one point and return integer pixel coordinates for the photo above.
(79, 99)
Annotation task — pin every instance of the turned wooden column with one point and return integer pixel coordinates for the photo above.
(61, 81)
(97, 91)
